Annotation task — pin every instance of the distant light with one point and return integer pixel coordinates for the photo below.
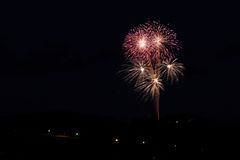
(175, 145)
(116, 140)
(76, 134)
(49, 131)
(143, 142)
(177, 122)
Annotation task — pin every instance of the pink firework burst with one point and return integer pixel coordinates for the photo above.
(150, 41)
(137, 43)
(163, 41)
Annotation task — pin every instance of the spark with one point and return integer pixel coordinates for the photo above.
(155, 80)
(169, 66)
(142, 43)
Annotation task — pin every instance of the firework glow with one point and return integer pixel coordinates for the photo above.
(150, 49)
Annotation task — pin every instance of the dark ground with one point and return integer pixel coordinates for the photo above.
(27, 137)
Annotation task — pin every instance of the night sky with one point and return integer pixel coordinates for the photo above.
(65, 56)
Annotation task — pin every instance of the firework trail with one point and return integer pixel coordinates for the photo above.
(150, 49)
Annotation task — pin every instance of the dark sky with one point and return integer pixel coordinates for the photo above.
(65, 56)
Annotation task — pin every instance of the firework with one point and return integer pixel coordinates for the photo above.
(150, 49)
(172, 70)
(137, 43)
(136, 71)
(146, 80)
(164, 41)
(150, 41)
(151, 85)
